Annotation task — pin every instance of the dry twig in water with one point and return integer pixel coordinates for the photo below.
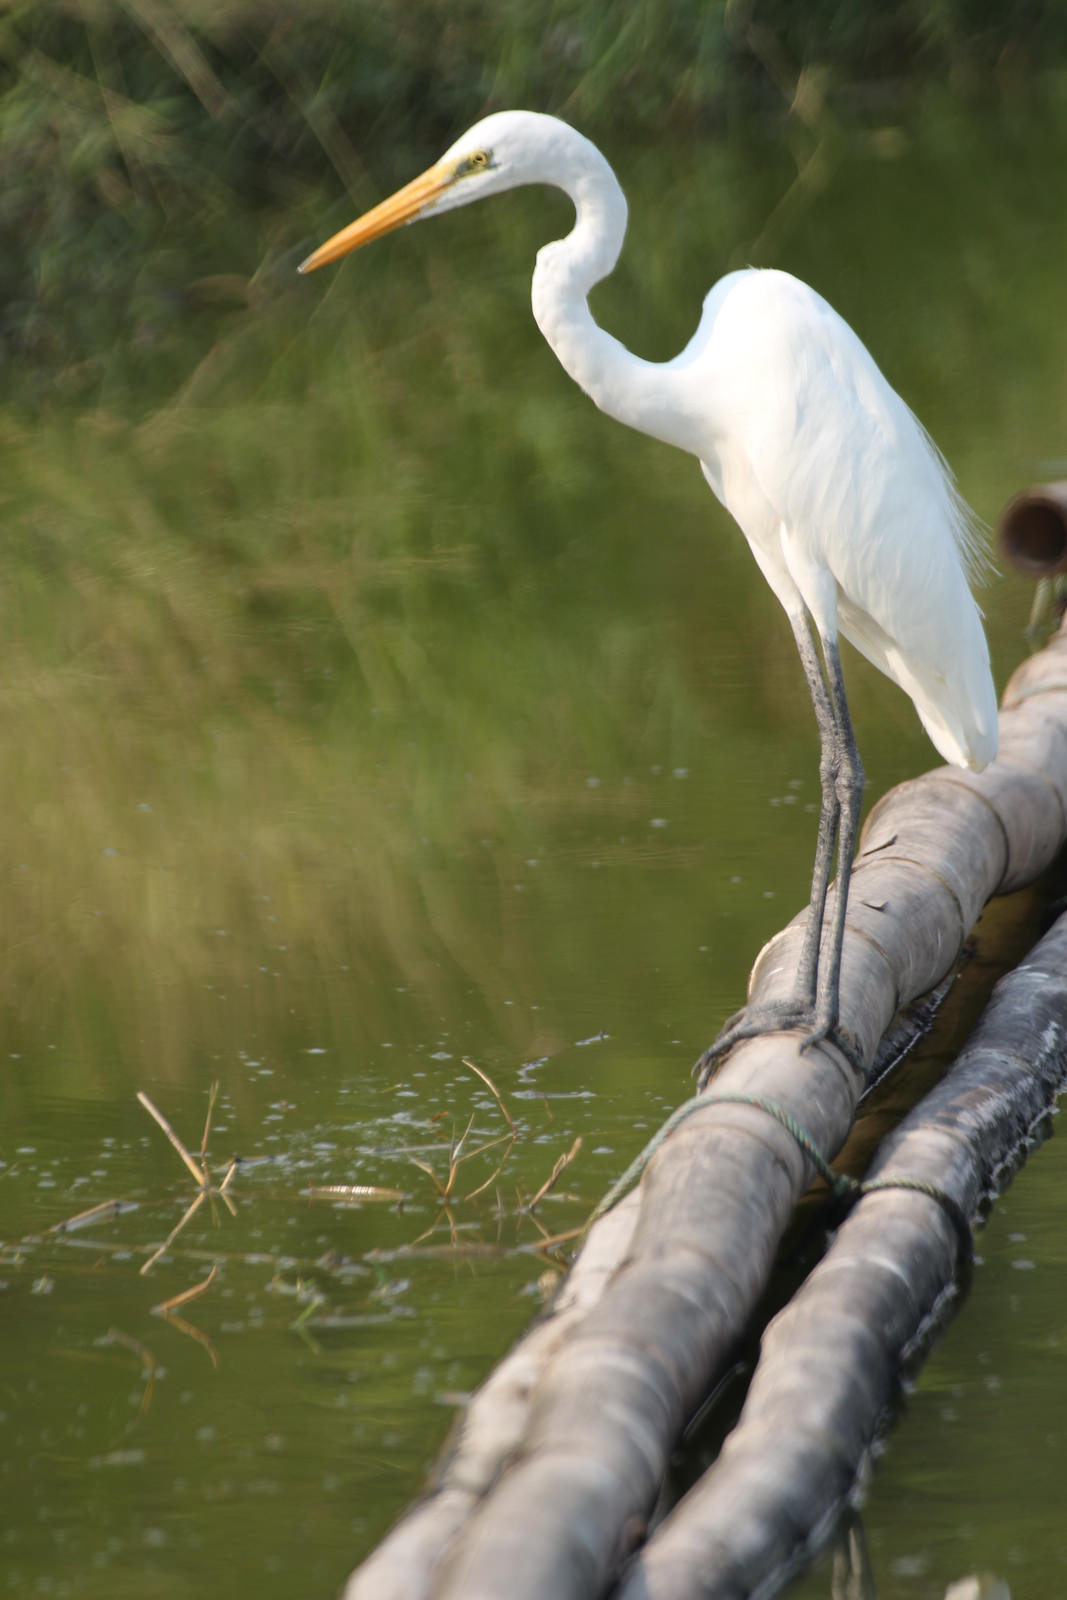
(166, 1308)
(493, 1090)
(500, 1165)
(200, 1176)
(187, 1216)
(106, 1208)
(354, 1192)
(561, 1166)
(213, 1094)
(149, 1364)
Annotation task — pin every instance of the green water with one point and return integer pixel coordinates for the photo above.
(371, 702)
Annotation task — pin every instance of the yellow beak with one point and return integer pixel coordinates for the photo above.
(404, 206)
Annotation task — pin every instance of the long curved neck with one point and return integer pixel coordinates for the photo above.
(622, 385)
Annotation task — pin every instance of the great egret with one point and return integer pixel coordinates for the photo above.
(846, 504)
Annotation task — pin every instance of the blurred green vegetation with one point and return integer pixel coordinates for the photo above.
(300, 578)
(322, 598)
(158, 160)
(367, 698)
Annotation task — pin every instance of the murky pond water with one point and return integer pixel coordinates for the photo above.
(373, 707)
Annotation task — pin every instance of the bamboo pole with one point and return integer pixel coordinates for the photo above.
(830, 1361)
(491, 1428)
(562, 1498)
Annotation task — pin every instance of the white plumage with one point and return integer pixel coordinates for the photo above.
(845, 502)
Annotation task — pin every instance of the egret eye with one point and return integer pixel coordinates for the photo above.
(476, 162)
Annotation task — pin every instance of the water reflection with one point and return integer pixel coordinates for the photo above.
(852, 1577)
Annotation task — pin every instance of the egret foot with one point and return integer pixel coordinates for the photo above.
(775, 1016)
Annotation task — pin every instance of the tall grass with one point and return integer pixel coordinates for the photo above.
(305, 656)
(271, 663)
(154, 154)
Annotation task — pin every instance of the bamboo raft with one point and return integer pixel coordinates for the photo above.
(551, 1483)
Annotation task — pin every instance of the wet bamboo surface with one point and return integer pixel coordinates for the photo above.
(557, 1465)
(830, 1361)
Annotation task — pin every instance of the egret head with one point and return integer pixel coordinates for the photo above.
(500, 152)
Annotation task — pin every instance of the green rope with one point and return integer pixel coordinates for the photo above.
(951, 1207)
(843, 1188)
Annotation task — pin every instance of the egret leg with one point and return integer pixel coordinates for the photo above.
(829, 815)
(848, 781)
(815, 1003)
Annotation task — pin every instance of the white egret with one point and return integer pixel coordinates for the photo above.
(846, 504)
